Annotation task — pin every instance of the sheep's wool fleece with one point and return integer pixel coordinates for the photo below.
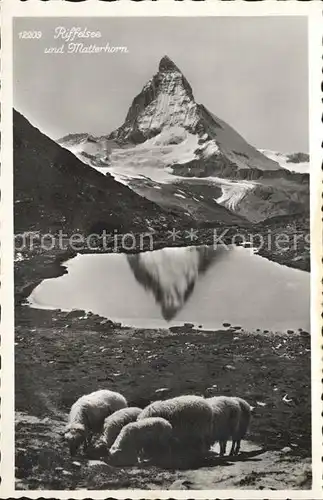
(96, 406)
(145, 431)
(185, 413)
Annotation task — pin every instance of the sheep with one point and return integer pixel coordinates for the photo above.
(87, 415)
(113, 425)
(244, 423)
(148, 436)
(231, 417)
(191, 418)
(226, 418)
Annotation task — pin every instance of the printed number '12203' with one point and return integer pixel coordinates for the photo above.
(30, 34)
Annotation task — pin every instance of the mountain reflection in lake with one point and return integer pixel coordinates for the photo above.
(167, 287)
(171, 274)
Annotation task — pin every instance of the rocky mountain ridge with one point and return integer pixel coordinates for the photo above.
(54, 190)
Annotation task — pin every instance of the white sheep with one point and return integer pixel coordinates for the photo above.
(87, 416)
(231, 417)
(114, 423)
(191, 418)
(226, 418)
(245, 417)
(146, 437)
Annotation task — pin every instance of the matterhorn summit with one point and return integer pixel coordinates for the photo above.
(166, 106)
(165, 101)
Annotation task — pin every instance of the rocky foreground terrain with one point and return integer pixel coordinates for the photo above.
(60, 356)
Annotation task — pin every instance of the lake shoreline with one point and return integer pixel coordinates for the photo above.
(39, 264)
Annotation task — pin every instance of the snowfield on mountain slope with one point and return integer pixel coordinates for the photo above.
(237, 149)
(147, 169)
(233, 192)
(152, 159)
(282, 159)
(88, 144)
(153, 172)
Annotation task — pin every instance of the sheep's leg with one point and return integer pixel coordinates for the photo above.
(207, 444)
(202, 447)
(237, 447)
(169, 452)
(223, 445)
(232, 451)
(87, 442)
(141, 456)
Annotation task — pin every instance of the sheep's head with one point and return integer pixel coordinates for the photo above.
(118, 456)
(74, 436)
(99, 448)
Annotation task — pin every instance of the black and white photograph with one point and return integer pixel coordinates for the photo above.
(162, 254)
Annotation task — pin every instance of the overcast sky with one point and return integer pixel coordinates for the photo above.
(251, 72)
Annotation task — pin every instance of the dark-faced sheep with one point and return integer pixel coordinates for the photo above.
(147, 437)
(191, 418)
(87, 416)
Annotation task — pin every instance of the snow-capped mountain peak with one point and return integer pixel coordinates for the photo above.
(169, 139)
(166, 100)
(166, 103)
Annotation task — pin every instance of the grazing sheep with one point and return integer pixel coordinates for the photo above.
(231, 417)
(191, 418)
(87, 416)
(243, 426)
(113, 425)
(149, 437)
